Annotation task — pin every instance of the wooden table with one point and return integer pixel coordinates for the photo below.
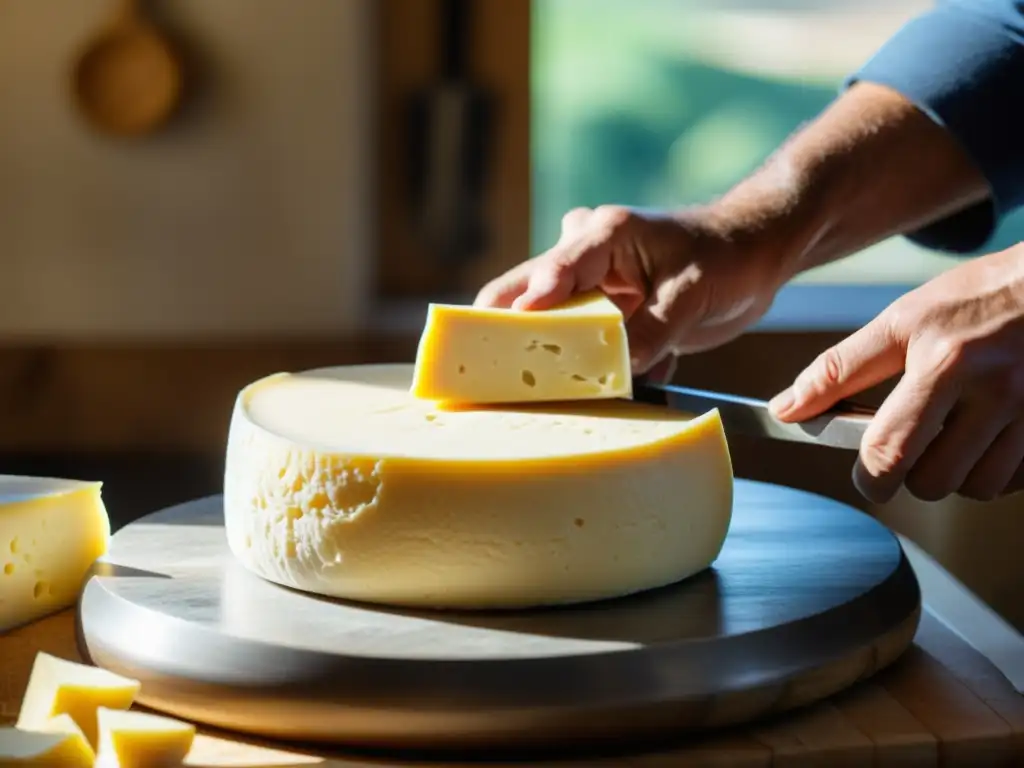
(944, 703)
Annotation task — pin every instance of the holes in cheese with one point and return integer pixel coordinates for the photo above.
(51, 532)
(577, 351)
(340, 482)
(57, 742)
(131, 739)
(60, 687)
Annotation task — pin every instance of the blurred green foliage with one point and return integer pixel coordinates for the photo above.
(621, 114)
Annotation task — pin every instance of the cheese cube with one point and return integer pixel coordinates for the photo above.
(577, 351)
(59, 743)
(140, 740)
(51, 532)
(57, 686)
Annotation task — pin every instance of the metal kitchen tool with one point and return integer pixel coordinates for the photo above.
(807, 597)
(842, 426)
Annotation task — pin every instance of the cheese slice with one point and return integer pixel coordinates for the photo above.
(57, 744)
(340, 482)
(577, 351)
(57, 687)
(130, 739)
(51, 532)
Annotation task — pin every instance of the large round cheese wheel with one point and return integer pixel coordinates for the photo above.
(340, 482)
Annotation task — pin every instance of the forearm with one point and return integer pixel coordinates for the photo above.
(869, 167)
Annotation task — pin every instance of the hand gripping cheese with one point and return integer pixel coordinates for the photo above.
(577, 351)
(130, 739)
(340, 482)
(51, 532)
(58, 743)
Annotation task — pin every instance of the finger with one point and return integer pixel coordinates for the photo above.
(947, 461)
(907, 422)
(861, 360)
(998, 471)
(501, 292)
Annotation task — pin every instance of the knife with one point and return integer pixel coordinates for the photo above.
(842, 426)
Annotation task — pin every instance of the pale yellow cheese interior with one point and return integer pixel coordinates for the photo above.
(132, 739)
(58, 743)
(578, 351)
(341, 482)
(58, 686)
(51, 532)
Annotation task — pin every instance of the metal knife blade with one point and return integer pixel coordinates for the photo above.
(840, 427)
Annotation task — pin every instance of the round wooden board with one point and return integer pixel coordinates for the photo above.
(807, 597)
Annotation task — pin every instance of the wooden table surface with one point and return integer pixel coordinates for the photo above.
(944, 703)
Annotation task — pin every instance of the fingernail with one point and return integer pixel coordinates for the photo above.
(783, 402)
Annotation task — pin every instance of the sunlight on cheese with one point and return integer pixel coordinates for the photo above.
(131, 739)
(51, 532)
(57, 743)
(57, 686)
(340, 482)
(577, 351)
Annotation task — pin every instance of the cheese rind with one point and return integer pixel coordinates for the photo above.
(60, 687)
(131, 739)
(58, 743)
(51, 532)
(339, 482)
(577, 351)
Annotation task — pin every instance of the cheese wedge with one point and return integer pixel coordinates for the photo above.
(130, 739)
(340, 482)
(577, 351)
(57, 687)
(57, 744)
(51, 532)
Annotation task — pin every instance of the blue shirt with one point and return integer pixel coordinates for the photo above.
(963, 65)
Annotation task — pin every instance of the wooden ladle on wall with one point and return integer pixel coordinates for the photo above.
(128, 79)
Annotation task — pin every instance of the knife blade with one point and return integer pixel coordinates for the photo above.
(842, 426)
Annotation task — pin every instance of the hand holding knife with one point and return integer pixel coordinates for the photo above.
(842, 426)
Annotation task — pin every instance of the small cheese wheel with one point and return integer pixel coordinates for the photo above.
(51, 532)
(340, 482)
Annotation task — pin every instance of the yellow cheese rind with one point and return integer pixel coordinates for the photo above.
(57, 744)
(51, 532)
(341, 483)
(578, 351)
(131, 739)
(57, 686)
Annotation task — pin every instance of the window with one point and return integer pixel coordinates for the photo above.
(663, 102)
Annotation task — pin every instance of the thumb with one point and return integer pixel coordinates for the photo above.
(861, 360)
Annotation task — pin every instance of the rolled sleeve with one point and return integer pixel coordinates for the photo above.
(962, 64)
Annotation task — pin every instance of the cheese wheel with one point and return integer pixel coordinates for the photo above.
(340, 482)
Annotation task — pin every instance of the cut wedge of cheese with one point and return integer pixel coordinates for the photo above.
(340, 482)
(51, 532)
(58, 743)
(577, 351)
(60, 687)
(131, 739)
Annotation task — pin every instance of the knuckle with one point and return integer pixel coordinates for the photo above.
(883, 459)
(823, 374)
(947, 355)
(575, 217)
(612, 218)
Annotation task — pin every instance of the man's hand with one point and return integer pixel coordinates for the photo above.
(684, 282)
(955, 421)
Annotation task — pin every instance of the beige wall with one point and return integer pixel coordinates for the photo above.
(253, 212)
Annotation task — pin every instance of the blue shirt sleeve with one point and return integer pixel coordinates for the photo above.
(962, 64)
